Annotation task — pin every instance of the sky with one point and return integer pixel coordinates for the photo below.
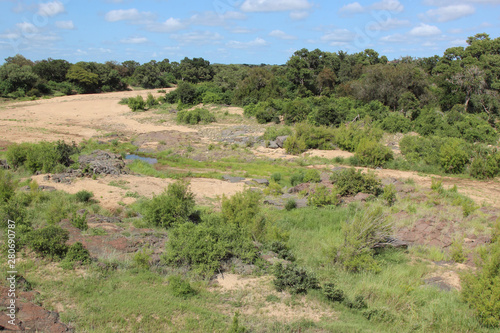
(237, 31)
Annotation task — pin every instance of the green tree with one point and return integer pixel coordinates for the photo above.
(85, 80)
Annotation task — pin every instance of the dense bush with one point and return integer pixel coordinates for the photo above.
(273, 132)
(180, 287)
(312, 176)
(79, 221)
(195, 116)
(322, 196)
(136, 103)
(294, 145)
(83, 196)
(454, 155)
(421, 149)
(76, 253)
(371, 153)
(294, 279)
(174, 205)
(332, 293)
(351, 182)
(297, 178)
(44, 156)
(360, 235)
(396, 123)
(481, 288)
(7, 186)
(205, 246)
(349, 137)
(49, 241)
(242, 210)
(485, 165)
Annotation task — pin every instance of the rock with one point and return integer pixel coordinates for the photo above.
(337, 169)
(300, 188)
(102, 162)
(273, 145)
(391, 242)
(389, 181)
(233, 179)
(280, 140)
(261, 181)
(29, 316)
(362, 196)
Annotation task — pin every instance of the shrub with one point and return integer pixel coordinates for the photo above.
(151, 101)
(79, 221)
(389, 194)
(416, 149)
(294, 145)
(312, 176)
(453, 155)
(481, 288)
(76, 253)
(371, 153)
(396, 123)
(273, 189)
(7, 186)
(297, 178)
(136, 103)
(321, 196)
(290, 204)
(195, 116)
(242, 210)
(360, 235)
(49, 241)
(484, 167)
(294, 279)
(180, 288)
(174, 205)
(332, 293)
(282, 250)
(457, 251)
(351, 182)
(205, 246)
(83, 196)
(142, 259)
(276, 177)
(273, 132)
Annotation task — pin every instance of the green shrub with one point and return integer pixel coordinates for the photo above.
(282, 250)
(360, 235)
(7, 186)
(142, 259)
(312, 176)
(195, 116)
(273, 132)
(322, 196)
(76, 253)
(83, 196)
(294, 279)
(389, 194)
(351, 182)
(481, 287)
(151, 101)
(242, 209)
(484, 167)
(371, 153)
(453, 155)
(396, 123)
(297, 178)
(273, 189)
(332, 293)
(294, 145)
(205, 246)
(136, 103)
(290, 204)
(49, 241)
(276, 177)
(457, 251)
(180, 288)
(79, 221)
(174, 205)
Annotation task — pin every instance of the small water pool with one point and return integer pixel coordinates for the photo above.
(142, 158)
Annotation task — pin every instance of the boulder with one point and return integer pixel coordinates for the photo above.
(102, 162)
(280, 140)
(273, 145)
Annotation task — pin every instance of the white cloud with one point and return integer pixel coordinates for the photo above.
(352, 8)
(134, 40)
(390, 5)
(274, 5)
(127, 15)
(241, 30)
(454, 2)
(50, 8)
(339, 35)
(458, 42)
(197, 37)
(299, 14)
(450, 13)
(27, 28)
(281, 35)
(169, 25)
(425, 30)
(211, 18)
(257, 42)
(396, 38)
(67, 25)
(389, 24)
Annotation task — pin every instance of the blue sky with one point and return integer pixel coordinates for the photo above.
(237, 31)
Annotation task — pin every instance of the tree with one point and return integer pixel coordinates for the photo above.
(52, 70)
(84, 79)
(470, 81)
